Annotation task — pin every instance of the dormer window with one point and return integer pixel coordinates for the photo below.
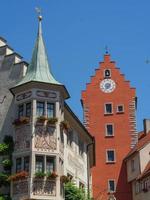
(107, 73)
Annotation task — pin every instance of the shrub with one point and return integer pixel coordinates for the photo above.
(52, 120)
(73, 193)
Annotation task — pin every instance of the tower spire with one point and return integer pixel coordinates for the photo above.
(39, 68)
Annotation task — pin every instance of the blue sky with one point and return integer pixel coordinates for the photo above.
(76, 33)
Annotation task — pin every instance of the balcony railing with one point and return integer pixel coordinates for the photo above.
(43, 187)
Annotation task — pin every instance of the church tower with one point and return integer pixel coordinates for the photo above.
(109, 105)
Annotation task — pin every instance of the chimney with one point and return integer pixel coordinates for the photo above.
(146, 123)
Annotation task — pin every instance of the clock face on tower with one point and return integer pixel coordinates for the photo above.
(107, 85)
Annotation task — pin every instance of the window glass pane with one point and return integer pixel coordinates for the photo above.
(39, 165)
(18, 164)
(111, 185)
(20, 111)
(50, 110)
(28, 109)
(109, 129)
(40, 109)
(50, 164)
(110, 155)
(108, 108)
(26, 163)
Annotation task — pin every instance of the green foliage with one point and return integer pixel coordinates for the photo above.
(7, 163)
(9, 141)
(40, 174)
(3, 179)
(2, 197)
(73, 193)
(3, 148)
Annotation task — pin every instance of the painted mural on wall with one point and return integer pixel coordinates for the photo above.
(45, 138)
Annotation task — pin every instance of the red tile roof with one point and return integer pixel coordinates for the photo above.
(141, 143)
(146, 171)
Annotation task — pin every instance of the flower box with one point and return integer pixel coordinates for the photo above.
(21, 120)
(18, 176)
(65, 125)
(41, 119)
(40, 175)
(64, 179)
(52, 121)
(51, 175)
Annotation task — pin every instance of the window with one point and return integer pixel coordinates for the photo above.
(50, 164)
(18, 164)
(110, 156)
(120, 109)
(61, 135)
(107, 73)
(40, 108)
(81, 147)
(28, 109)
(50, 110)
(108, 108)
(26, 163)
(39, 165)
(111, 185)
(137, 187)
(70, 137)
(20, 111)
(132, 165)
(109, 130)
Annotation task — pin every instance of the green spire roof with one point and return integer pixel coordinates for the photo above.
(39, 69)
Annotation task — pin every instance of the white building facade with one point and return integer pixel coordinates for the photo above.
(50, 143)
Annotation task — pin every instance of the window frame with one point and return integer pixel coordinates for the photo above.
(22, 110)
(105, 110)
(54, 163)
(42, 102)
(54, 109)
(117, 110)
(17, 170)
(28, 103)
(104, 73)
(109, 161)
(106, 130)
(43, 163)
(113, 180)
(24, 167)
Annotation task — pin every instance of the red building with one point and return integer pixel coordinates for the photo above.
(109, 104)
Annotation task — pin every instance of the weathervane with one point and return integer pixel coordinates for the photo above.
(39, 11)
